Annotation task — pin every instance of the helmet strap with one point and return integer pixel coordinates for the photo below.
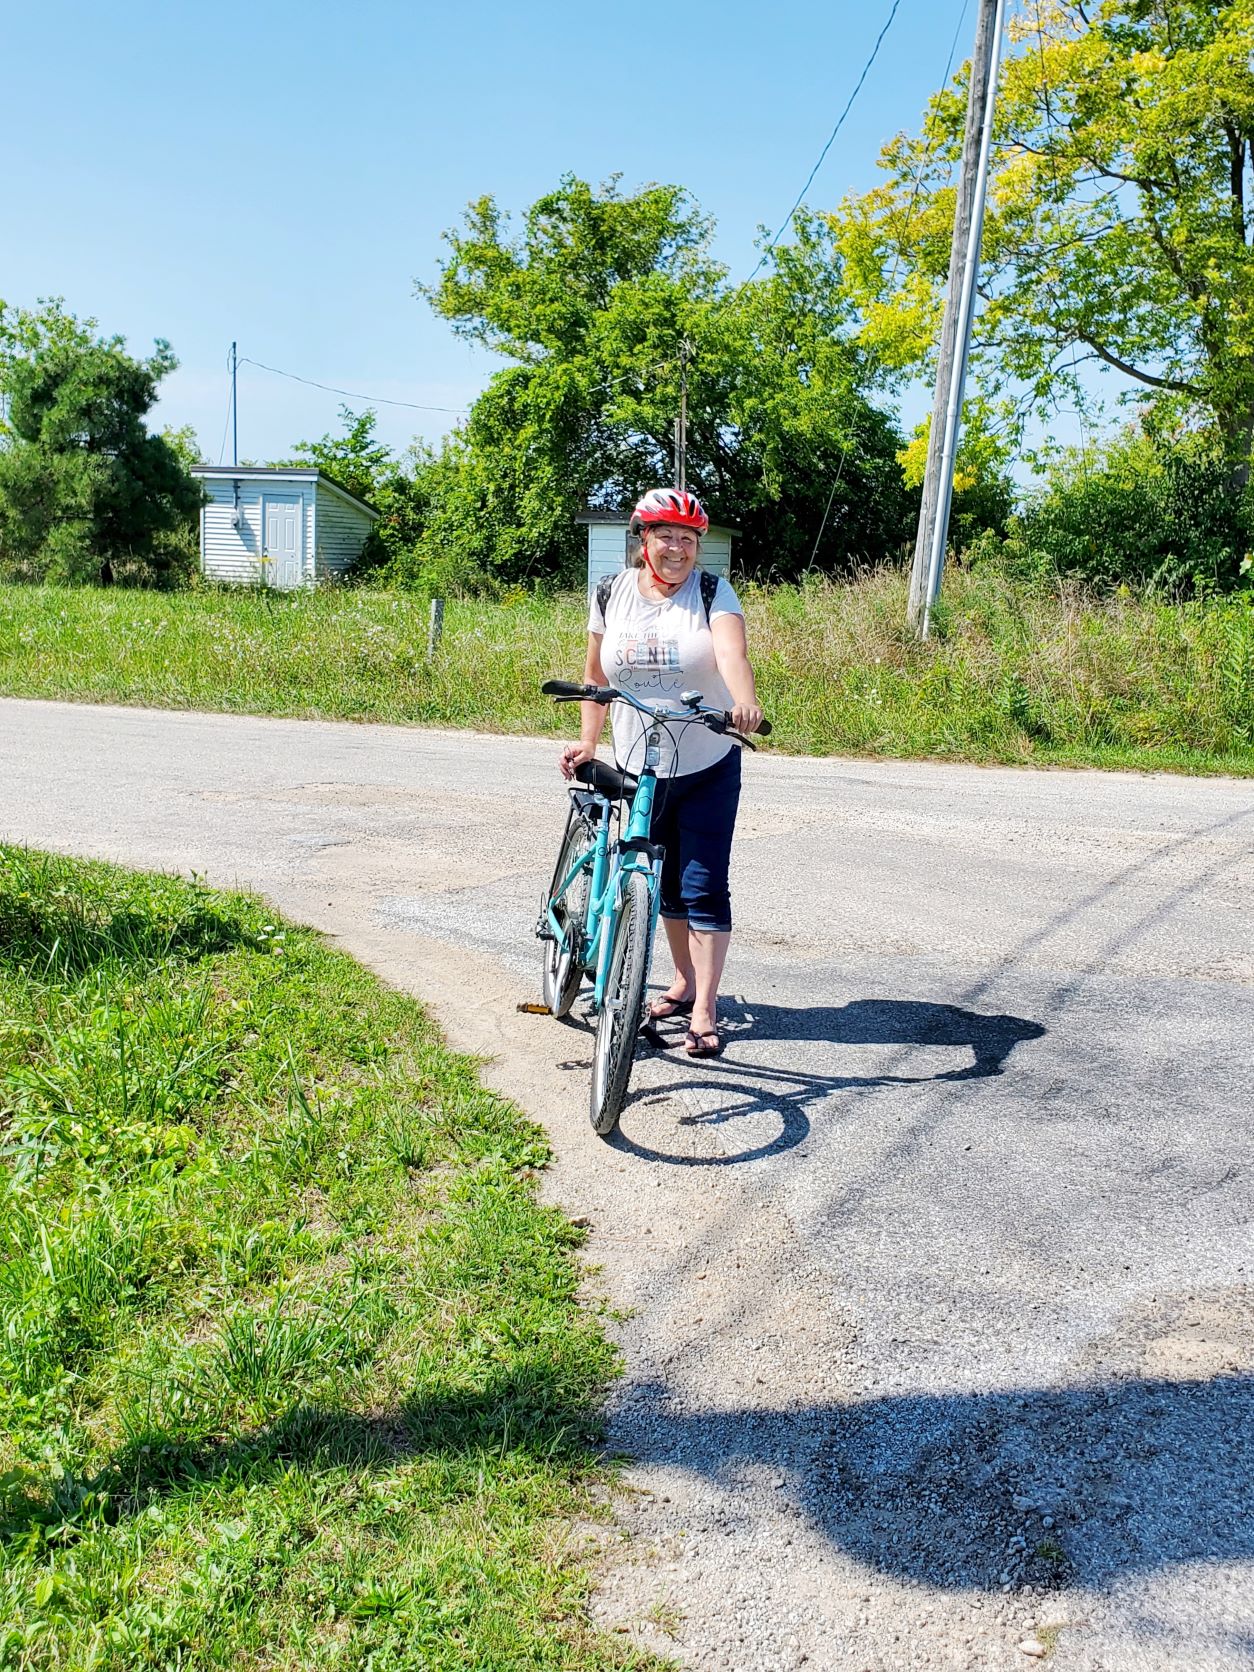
(644, 552)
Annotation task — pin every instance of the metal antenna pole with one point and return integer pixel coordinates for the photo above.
(981, 97)
(234, 409)
(681, 431)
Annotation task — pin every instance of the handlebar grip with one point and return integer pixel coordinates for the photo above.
(763, 730)
(565, 690)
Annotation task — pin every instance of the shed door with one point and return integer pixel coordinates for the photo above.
(282, 552)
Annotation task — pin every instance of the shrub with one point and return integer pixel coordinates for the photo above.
(1157, 513)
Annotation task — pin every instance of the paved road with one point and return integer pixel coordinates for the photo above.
(942, 1326)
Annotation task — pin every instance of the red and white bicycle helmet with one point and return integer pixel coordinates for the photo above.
(675, 506)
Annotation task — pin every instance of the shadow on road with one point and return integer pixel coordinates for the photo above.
(990, 1038)
(1097, 1482)
(737, 1089)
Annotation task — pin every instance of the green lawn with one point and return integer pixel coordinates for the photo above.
(293, 1371)
(1014, 674)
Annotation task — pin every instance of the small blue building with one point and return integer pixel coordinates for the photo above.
(610, 545)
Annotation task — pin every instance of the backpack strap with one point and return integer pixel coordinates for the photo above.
(604, 587)
(709, 591)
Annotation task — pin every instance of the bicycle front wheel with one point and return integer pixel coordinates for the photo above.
(619, 1020)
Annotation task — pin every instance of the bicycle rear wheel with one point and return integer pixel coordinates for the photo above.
(619, 1021)
(561, 971)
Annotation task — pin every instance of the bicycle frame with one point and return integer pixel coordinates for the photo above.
(633, 851)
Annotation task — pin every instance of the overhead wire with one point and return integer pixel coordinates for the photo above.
(918, 180)
(351, 394)
(930, 152)
(787, 222)
(831, 139)
(1051, 129)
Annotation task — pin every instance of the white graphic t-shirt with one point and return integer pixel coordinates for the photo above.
(656, 648)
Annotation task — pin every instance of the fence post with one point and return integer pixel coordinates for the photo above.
(436, 626)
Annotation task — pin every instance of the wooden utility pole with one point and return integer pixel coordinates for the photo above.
(964, 251)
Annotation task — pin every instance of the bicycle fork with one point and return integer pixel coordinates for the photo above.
(634, 845)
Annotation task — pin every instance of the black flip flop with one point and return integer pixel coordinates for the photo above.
(674, 1007)
(697, 1049)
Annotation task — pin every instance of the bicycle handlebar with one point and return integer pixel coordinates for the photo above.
(717, 719)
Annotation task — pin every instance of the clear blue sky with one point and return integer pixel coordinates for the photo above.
(280, 173)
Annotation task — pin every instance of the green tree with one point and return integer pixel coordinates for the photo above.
(1119, 221)
(600, 302)
(84, 485)
(355, 459)
(1149, 508)
(397, 488)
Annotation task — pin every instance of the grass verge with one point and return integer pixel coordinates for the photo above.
(1013, 673)
(293, 1372)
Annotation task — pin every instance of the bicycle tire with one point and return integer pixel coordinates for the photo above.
(619, 1021)
(561, 973)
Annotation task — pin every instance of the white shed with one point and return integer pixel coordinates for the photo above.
(610, 542)
(278, 527)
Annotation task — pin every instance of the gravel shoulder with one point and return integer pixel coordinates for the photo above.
(937, 1304)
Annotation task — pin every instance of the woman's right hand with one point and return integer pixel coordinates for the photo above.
(576, 754)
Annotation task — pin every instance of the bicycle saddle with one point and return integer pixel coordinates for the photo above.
(606, 780)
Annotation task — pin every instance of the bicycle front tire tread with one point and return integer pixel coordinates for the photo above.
(619, 1022)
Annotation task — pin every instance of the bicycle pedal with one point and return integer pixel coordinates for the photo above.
(534, 1009)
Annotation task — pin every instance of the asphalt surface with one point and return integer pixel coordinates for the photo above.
(940, 1322)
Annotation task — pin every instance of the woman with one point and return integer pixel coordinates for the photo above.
(656, 638)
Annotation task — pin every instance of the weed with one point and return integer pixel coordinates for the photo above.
(665, 1614)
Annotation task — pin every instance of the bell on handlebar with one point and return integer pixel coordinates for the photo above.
(690, 699)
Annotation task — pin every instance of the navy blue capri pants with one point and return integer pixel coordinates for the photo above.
(694, 816)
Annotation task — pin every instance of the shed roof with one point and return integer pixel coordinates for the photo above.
(623, 519)
(294, 473)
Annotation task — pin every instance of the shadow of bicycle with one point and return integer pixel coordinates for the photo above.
(735, 1089)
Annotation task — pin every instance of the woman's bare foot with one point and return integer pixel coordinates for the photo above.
(671, 1003)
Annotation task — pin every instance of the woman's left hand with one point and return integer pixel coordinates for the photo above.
(746, 717)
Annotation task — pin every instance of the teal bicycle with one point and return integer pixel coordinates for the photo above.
(600, 911)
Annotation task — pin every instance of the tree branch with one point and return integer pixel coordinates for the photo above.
(1236, 177)
(1135, 372)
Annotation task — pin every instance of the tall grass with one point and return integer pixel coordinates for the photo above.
(292, 1370)
(1013, 673)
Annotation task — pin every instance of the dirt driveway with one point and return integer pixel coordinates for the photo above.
(940, 1325)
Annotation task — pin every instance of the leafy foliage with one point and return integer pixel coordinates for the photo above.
(354, 459)
(600, 302)
(367, 467)
(1119, 216)
(1150, 509)
(85, 487)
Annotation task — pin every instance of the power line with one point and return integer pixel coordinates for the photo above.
(350, 394)
(928, 154)
(1051, 131)
(866, 70)
(840, 470)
